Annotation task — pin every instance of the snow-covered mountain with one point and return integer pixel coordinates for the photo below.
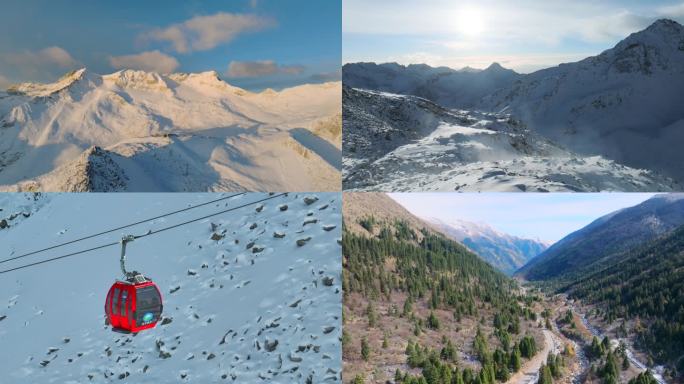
(177, 132)
(243, 301)
(445, 86)
(505, 252)
(406, 143)
(624, 104)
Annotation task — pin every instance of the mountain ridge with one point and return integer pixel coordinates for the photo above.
(503, 251)
(610, 234)
(231, 138)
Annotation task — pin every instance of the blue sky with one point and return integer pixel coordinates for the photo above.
(545, 216)
(524, 35)
(272, 43)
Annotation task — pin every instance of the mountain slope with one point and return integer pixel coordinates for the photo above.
(406, 143)
(611, 234)
(505, 252)
(445, 86)
(198, 131)
(645, 287)
(230, 288)
(420, 307)
(622, 104)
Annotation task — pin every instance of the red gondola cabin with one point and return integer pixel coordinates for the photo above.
(133, 306)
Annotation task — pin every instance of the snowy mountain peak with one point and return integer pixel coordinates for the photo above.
(503, 251)
(653, 47)
(136, 79)
(666, 26)
(47, 89)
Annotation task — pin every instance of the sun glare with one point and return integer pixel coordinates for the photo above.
(470, 21)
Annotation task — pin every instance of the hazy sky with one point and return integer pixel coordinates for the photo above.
(546, 216)
(251, 43)
(524, 35)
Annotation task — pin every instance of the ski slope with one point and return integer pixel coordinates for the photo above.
(226, 302)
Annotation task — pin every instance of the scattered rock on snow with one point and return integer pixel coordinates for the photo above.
(270, 346)
(278, 234)
(328, 281)
(329, 228)
(217, 237)
(303, 241)
(283, 207)
(308, 200)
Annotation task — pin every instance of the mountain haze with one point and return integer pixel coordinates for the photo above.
(505, 252)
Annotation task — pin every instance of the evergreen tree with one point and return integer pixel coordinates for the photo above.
(365, 349)
(432, 321)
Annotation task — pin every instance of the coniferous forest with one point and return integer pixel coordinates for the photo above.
(438, 275)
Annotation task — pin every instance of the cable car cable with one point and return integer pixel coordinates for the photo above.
(141, 236)
(119, 228)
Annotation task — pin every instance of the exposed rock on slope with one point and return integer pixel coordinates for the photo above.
(406, 143)
(624, 104)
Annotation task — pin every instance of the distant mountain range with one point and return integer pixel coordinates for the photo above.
(505, 252)
(143, 131)
(623, 105)
(448, 87)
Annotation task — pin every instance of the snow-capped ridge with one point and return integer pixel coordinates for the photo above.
(47, 89)
(210, 134)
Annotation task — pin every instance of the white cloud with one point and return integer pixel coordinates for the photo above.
(261, 68)
(151, 61)
(40, 65)
(55, 56)
(525, 35)
(202, 33)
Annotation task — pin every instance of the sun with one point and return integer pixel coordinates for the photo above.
(470, 21)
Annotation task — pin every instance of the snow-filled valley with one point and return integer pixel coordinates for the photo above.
(607, 123)
(250, 295)
(141, 131)
(406, 143)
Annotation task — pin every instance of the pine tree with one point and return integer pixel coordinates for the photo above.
(544, 375)
(372, 316)
(365, 349)
(432, 321)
